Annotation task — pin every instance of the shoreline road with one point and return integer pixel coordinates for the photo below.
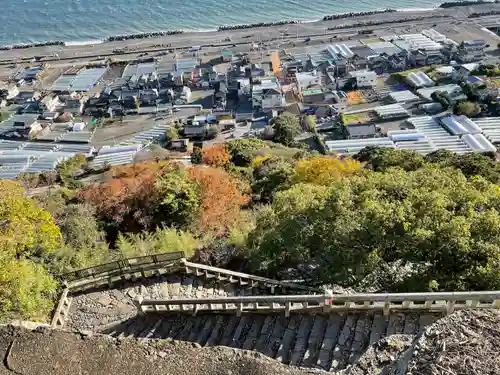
(245, 37)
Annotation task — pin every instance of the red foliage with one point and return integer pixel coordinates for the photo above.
(216, 156)
(221, 199)
(126, 196)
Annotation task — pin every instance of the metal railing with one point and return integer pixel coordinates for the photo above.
(445, 302)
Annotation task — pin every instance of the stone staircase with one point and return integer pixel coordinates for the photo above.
(329, 342)
(167, 297)
(91, 310)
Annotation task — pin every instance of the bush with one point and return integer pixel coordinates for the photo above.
(161, 241)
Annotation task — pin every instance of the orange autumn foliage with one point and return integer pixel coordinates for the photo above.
(221, 197)
(127, 194)
(128, 197)
(216, 156)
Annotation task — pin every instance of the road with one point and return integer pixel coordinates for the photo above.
(243, 37)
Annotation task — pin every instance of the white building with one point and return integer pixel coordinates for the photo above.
(364, 78)
(268, 95)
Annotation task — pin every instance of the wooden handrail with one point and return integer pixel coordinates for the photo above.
(123, 265)
(332, 299)
(240, 275)
(446, 302)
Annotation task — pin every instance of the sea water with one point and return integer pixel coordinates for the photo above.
(27, 21)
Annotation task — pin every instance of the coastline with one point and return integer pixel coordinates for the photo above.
(334, 16)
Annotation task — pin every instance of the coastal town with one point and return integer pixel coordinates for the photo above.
(423, 81)
(295, 197)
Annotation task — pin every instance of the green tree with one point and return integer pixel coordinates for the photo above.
(467, 108)
(84, 244)
(28, 235)
(171, 134)
(68, 169)
(286, 128)
(197, 156)
(309, 123)
(470, 164)
(433, 217)
(442, 98)
(178, 198)
(380, 159)
(272, 175)
(213, 131)
(164, 240)
(243, 151)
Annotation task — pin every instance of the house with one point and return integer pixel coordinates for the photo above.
(49, 103)
(24, 97)
(361, 131)
(465, 70)
(364, 78)
(444, 72)
(306, 80)
(475, 81)
(267, 95)
(397, 62)
(362, 56)
(96, 106)
(149, 97)
(227, 56)
(74, 106)
(181, 145)
(419, 79)
(194, 129)
(471, 50)
(11, 91)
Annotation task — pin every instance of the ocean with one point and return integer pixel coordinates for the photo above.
(27, 21)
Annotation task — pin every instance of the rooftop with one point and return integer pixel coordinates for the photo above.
(384, 47)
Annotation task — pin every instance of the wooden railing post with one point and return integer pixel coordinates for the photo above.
(138, 304)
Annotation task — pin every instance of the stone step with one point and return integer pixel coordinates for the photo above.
(227, 335)
(379, 328)
(425, 320)
(329, 342)
(303, 333)
(396, 324)
(235, 341)
(284, 351)
(198, 325)
(206, 331)
(265, 333)
(254, 332)
(333, 328)
(176, 327)
(344, 342)
(217, 330)
(185, 332)
(361, 337)
(129, 327)
(314, 342)
(155, 328)
(148, 325)
(279, 328)
(411, 324)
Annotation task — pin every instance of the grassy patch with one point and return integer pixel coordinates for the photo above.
(355, 118)
(4, 116)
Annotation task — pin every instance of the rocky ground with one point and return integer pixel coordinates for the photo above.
(464, 343)
(50, 352)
